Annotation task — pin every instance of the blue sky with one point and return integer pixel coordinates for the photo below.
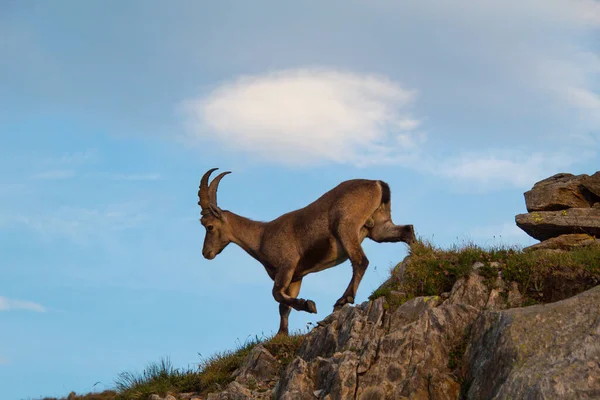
(110, 112)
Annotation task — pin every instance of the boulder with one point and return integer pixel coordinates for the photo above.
(259, 365)
(543, 225)
(565, 242)
(558, 192)
(591, 186)
(549, 351)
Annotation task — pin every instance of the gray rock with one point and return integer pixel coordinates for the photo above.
(476, 266)
(470, 290)
(234, 391)
(564, 242)
(259, 364)
(350, 329)
(557, 192)
(409, 312)
(591, 186)
(515, 299)
(543, 225)
(549, 351)
(296, 383)
(336, 376)
(412, 362)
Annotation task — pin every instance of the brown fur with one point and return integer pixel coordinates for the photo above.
(321, 235)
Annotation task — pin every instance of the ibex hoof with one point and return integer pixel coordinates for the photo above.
(311, 307)
(350, 299)
(341, 303)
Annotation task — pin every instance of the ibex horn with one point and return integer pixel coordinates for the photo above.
(212, 193)
(203, 193)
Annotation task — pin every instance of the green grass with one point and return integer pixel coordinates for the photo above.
(542, 276)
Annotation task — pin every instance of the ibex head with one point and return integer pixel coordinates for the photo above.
(218, 231)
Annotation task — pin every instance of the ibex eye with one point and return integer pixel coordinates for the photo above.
(210, 227)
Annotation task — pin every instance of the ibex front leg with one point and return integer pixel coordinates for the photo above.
(284, 310)
(283, 280)
(351, 244)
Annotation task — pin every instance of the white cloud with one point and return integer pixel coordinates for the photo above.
(54, 174)
(7, 304)
(307, 115)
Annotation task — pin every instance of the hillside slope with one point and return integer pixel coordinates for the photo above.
(460, 323)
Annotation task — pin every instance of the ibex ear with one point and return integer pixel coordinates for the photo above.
(216, 211)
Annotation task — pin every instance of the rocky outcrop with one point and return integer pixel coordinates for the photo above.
(563, 204)
(374, 351)
(366, 352)
(543, 225)
(557, 192)
(549, 351)
(417, 351)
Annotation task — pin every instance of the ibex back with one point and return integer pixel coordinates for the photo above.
(323, 234)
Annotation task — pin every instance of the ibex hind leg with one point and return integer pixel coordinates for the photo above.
(283, 280)
(350, 241)
(388, 232)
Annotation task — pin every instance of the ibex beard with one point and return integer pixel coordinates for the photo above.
(321, 235)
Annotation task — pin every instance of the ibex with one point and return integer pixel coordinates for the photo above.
(321, 235)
